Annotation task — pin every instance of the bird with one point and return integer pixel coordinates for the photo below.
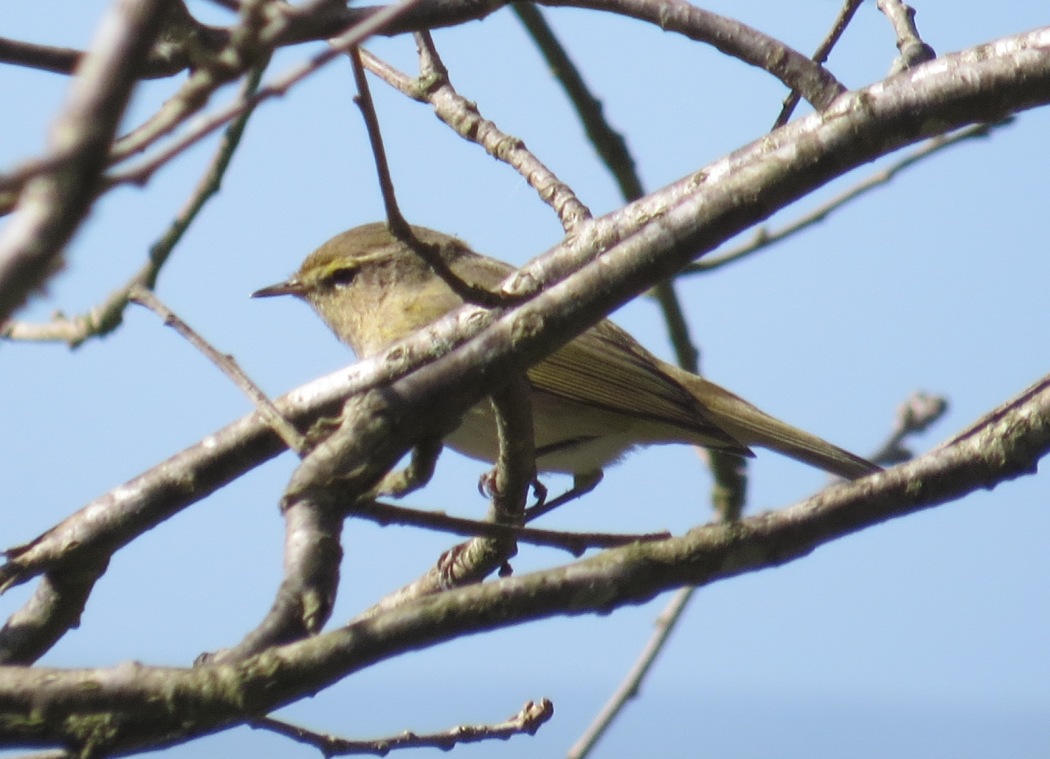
(594, 400)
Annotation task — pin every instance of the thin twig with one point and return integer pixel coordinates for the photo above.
(394, 218)
(52, 205)
(398, 226)
(575, 543)
(820, 56)
(608, 142)
(464, 116)
(913, 50)
(731, 37)
(205, 125)
(227, 364)
(525, 722)
(433, 87)
(107, 316)
(729, 472)
(60, 60)
(1004, 445)
(914, 416)
(631, 684)
(764, 237)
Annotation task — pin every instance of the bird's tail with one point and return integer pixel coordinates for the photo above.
(751, 426)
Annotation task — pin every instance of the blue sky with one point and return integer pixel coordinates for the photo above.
(925, 636)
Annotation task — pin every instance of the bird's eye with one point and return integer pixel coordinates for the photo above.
(341, 277)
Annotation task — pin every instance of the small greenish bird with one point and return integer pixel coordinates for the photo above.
(593, 400)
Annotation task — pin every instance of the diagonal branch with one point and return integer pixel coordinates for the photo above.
(108, 315)
(433, 86)
(795, 70)
(140, 706)
(639, 245)
(527, 721)
(846, 13)
(807, 77)
(764, 237)
(52, 204)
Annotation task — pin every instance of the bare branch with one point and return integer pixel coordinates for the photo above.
(573, 542)
(764, 237)
(630, 685)
(304, 600)
(183, 38)
(527, 721)
(799, 73)
(203, 87)
(399, 228)
(914, 416)
(846, 13)
(227, 364)
(154, 706)
(52, 205)
(434, 87)
(61, 60)
(912, 49)
(54, 609)
(107, 316)
(639, 245)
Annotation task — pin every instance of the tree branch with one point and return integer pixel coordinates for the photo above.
(132, 706)
(527, 721)
(639, 245)
(108, 315)
(52, 204)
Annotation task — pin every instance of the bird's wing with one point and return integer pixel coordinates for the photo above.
(606, 368)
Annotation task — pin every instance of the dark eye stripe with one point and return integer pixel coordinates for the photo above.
(342, 276)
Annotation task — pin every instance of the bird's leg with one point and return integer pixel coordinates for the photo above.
(582, 483)
(540, 491)
(487, 488)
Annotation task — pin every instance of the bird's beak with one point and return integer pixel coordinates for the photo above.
(291, 287)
